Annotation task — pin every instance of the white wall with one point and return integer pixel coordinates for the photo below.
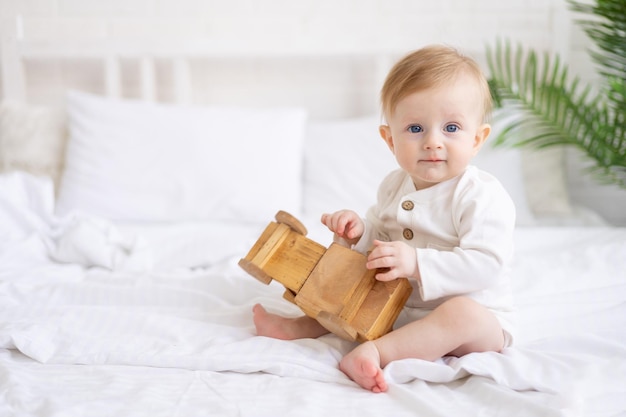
(393, 26)
(397, 24)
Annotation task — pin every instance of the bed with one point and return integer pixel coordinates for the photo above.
(122, 220)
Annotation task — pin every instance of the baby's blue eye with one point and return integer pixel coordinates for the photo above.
(451, 128)
(415, 129)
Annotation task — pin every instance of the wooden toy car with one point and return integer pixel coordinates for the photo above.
(331, 285)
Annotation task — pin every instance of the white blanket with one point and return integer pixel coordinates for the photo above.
(83, 291)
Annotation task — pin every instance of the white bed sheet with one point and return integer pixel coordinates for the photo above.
(134, 320)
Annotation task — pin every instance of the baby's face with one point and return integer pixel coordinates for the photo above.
(435, 133)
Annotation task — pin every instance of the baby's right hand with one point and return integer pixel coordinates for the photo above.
(345, 224)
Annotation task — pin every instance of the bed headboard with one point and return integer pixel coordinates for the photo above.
(331, 83)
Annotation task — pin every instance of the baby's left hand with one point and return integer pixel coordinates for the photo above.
(398, 260)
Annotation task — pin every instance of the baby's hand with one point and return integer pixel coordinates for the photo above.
(345, 224)
(397, 259)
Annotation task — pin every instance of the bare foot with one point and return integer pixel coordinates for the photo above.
(362, 365)
(279, 327)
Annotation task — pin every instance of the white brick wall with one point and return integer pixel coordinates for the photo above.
(399, 24)
(393, 26)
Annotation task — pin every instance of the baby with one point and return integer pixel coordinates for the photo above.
(439, 221)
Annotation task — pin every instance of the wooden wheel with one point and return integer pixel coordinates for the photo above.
(337, 326)
(295, 224)
(255, 271)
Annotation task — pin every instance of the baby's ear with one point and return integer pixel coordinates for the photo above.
(481, 136)
(385, 133)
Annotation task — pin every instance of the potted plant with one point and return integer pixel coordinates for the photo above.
(555, 109)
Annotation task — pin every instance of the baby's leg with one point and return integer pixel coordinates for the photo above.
(279, 327)
(457, 327)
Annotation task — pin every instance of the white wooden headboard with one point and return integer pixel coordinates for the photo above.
(330, 83)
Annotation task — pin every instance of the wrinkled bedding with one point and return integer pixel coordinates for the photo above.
(99, 318)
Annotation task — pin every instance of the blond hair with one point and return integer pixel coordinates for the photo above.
(429, 67)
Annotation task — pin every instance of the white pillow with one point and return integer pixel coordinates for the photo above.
(546, 181)
(32, 139)
(506, 165)
(543, 170)
(140, 161)
(345, 161)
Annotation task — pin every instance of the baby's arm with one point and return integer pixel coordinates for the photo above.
(345, 224)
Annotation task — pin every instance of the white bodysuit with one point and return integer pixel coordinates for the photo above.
(462, 232)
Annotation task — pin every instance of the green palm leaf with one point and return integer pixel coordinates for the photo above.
(554, 109)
